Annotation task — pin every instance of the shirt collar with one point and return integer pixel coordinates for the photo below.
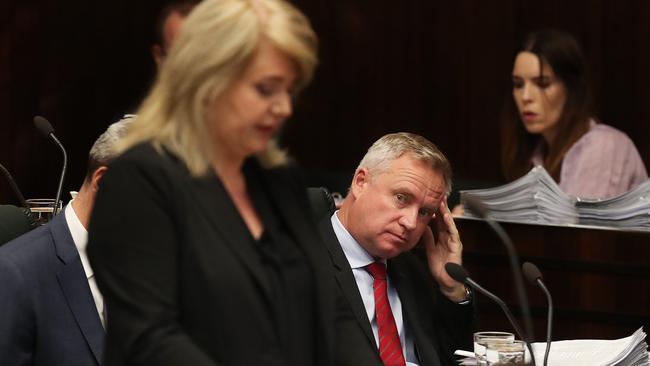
(354, 252)
(79, 236)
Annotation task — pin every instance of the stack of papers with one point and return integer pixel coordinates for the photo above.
(628, 351)
(536, 199)
(629, 211)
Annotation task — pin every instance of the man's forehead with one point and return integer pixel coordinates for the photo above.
(422, 176)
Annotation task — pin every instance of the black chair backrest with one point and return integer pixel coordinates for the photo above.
(321, 201)
(14, 222)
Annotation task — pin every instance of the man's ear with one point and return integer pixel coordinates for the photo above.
(359, 182)
(158, 54)
(97, 175)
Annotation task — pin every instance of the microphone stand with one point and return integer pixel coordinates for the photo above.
(56, 210)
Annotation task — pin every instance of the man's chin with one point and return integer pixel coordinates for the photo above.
(389, 251)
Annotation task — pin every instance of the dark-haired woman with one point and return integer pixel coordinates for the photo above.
(549, 122)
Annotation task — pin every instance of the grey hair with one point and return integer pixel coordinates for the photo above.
(104, 150)
(395, 145)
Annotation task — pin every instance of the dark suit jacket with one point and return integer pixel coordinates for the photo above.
(179, 271)
(47, 313)
(438, 326)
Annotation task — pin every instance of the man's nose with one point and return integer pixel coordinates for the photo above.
(409, 218)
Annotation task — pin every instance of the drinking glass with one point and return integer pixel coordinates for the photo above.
(480, 343)
(504, 353)
(42, 209)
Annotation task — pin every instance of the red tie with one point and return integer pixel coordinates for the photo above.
(390, 348)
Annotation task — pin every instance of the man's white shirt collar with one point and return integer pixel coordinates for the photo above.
(79, 236)
(354, 252)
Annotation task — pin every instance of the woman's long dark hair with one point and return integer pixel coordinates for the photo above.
(562, 53)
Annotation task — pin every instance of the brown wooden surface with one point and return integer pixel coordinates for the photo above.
(434, 67)
(599, 279)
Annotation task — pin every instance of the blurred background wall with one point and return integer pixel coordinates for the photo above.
(437, 68)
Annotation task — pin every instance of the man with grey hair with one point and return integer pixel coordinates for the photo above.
(51, 312)
(400, 310)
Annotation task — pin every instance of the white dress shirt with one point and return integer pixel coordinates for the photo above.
(80, 238)
(359, 259)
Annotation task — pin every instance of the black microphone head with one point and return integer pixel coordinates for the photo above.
(43, 126)
(456, 271)
(531, 272)
(475, 205)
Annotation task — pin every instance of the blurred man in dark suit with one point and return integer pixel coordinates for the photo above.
(51, 311)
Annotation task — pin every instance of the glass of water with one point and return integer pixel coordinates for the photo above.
(42, 209)
(481, 340)
(503, 353)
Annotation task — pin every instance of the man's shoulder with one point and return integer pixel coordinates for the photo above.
(36, 247)
(30, 253)
(30, 241)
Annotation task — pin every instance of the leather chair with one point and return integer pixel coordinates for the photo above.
(14, 222)
(322, 203)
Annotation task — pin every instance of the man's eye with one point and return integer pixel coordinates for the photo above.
(400, 198)
(425, 213)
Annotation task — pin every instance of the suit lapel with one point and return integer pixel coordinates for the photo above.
(411, 312)
(346, 280)
(211, 196)
(74, 284)
(298, 219)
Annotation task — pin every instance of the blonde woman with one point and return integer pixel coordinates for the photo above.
(201, 239)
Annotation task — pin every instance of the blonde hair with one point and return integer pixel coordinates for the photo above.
(215, 45)
(395, 145)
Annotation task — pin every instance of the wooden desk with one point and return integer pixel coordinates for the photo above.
(599, 279)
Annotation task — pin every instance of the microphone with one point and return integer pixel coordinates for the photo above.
(534, 276)
(14, 186)
(459, 274)
(477, 206)
(45, 128)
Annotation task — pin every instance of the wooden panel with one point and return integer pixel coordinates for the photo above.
(437, 68)
(599, 279)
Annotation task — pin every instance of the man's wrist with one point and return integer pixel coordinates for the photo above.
(468, 296)
(459, 294)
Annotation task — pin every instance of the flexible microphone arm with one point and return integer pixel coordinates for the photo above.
(534, 276)
(458, 273)
(477, 206)
(45, 128)
(14, 186)
(499, 302)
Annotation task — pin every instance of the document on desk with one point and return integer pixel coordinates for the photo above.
(628, 351)
(536, 198)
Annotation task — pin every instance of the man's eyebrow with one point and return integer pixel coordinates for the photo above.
(405, 192)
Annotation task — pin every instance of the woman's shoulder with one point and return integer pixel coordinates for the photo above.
(601, 144)
(146, 153)
(601, 137)
(600, 131)
(147, 159)
(142, 151)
